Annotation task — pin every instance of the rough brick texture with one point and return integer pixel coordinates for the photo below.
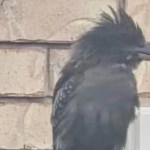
(38, 19)
(25, 124)
(23, 72)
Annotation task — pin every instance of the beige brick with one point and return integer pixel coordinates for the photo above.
(38, 19)
(37, 127)
(23, 72)
(11, 125)
(25, 125)
(57, 60)
(4, 33)
(142, 75)
(139, 10)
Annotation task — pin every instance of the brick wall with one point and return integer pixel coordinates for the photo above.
(28, 73)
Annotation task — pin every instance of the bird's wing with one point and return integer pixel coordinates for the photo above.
(63, 93)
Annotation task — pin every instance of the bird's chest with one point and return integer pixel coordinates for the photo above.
(104, 83)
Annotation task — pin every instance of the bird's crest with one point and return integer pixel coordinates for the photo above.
(111, 35)
(121, 25)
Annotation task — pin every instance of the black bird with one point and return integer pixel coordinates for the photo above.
(95, 98)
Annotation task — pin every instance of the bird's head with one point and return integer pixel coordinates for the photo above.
(115, 39)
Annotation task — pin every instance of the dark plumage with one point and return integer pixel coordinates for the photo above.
(96, 96)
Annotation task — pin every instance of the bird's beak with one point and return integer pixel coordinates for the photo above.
(144, 52)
